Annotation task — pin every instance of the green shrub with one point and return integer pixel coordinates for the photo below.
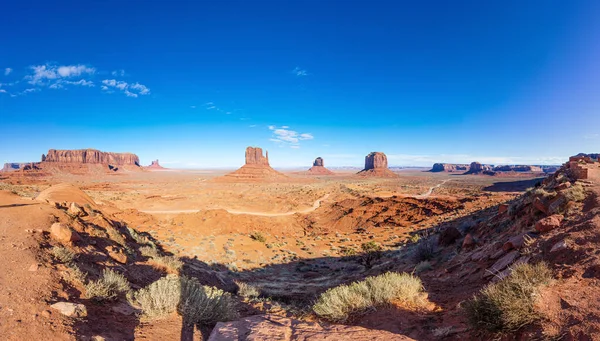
(510, 303)
(340, 303)
(575, 193)
(371, 251)
(196, 303)
(74, 275)
(108, 287)
(63, 255)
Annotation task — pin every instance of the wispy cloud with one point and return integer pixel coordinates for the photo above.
(299, 72)
(118, 73)
(7, 71)
(61, 83)
(47, 74)
(130, 90)
(283, 135)
(193, 106)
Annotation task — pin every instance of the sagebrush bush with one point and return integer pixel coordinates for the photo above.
(139, 238)
(74, 275)
(371, 251)
(198, 304)
(258, 236)
(63, 255)
(340, 303)
(510, 303)
(111, 285)
(247, 290)
(423, 266)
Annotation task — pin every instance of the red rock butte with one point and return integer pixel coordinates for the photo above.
(257, 168)
(318, 168)
(376, 164)
(154, 165)
(92, 156)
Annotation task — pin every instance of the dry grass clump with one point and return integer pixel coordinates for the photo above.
(575, 193)
(139, 238)
(259, 237)
(108, 287)
(171, 263)
(74, 275)
(423, 266)
(510, 303)
(342, 302)
(540, 192)
(198, 304)
(247, 290)
(425, 250)
(63, 255)
(371, 251)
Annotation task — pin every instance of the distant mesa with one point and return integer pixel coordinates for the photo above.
(449, 167)
(14, 166)
(91, 156)
(155, 165)
(376, 164)
(478, 168)
(318, 168)
(257, 168)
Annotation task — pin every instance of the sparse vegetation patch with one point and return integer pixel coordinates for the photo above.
(108, 287)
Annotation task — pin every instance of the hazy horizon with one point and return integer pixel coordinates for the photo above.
(497, 83)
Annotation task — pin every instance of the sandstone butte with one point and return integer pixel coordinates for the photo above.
(376, 164)
(476, 168)
(155, 165)
(256, 168)
(91, 156)
(318, 168)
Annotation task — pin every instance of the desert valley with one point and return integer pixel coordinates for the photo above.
(275, 246)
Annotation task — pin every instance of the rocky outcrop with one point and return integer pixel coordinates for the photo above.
(518, 168)
(449, 167)
(318, 168)
(13, 166)
(254, 156)
(155, 165)
(272, 327)
(256, 169)
(478, 168)
(376, 164)
(91, 156)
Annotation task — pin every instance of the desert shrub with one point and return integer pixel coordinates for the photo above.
(540, 192)
(414, 238)
(108, 287)
(575, 193)
(425, 250)
(510, 303)
(349, 252)
(116, 236)
(340, 303)
(171, 263)
(247, 290)
(139, 238)
(258, 236)
(371, 251)
(63, 255)
(423, 266)
(74, 275)
(442, 332)
(196, 303)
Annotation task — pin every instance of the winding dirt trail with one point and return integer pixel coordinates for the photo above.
(315, 205)
(430, 191)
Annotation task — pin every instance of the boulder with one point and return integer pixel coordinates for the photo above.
(468, 242)
(549, 223)
(91, 156)
(502, 208)
(540, 206)
(556, 204)
(502, 263)
(76, 210)
(516, 242)
(449, 235)
(70, 309)
(117, 253)
(63, 233)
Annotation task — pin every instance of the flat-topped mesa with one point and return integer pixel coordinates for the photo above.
(376, 164)
(318, 168)
(478, 168)
(14, 166)
(254, 156)
(449, 167)
(519, 168)
(91, 156)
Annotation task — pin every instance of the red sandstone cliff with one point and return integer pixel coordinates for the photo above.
(91, 156)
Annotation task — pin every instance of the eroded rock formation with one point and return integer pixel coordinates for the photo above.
(318, 168)
(91, 156)
(478, 168)
(449, 167)
(155, 165)
(256, 168)
(254, 156)
(376, 164)
(13, 166)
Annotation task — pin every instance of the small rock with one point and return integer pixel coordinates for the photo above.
(117, 254)
(502, 263)
(468, 242)
(34, 267)
(515, 242)
(46, 313)
(549, 223)
(562, 245)
(502, 208)
(76, 210)
(556, 204)
(64, 233)
(123, 309)
(70, 309)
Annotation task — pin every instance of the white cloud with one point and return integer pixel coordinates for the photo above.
(299, 72)
(284, 135)
(130, 90)
(7, 71)
(74, 70)
(252, 126)
(193, 106)
(2, 91)
(43, 74)
(60, 83)
(118, 73)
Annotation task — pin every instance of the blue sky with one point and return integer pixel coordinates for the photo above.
(193, 83)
